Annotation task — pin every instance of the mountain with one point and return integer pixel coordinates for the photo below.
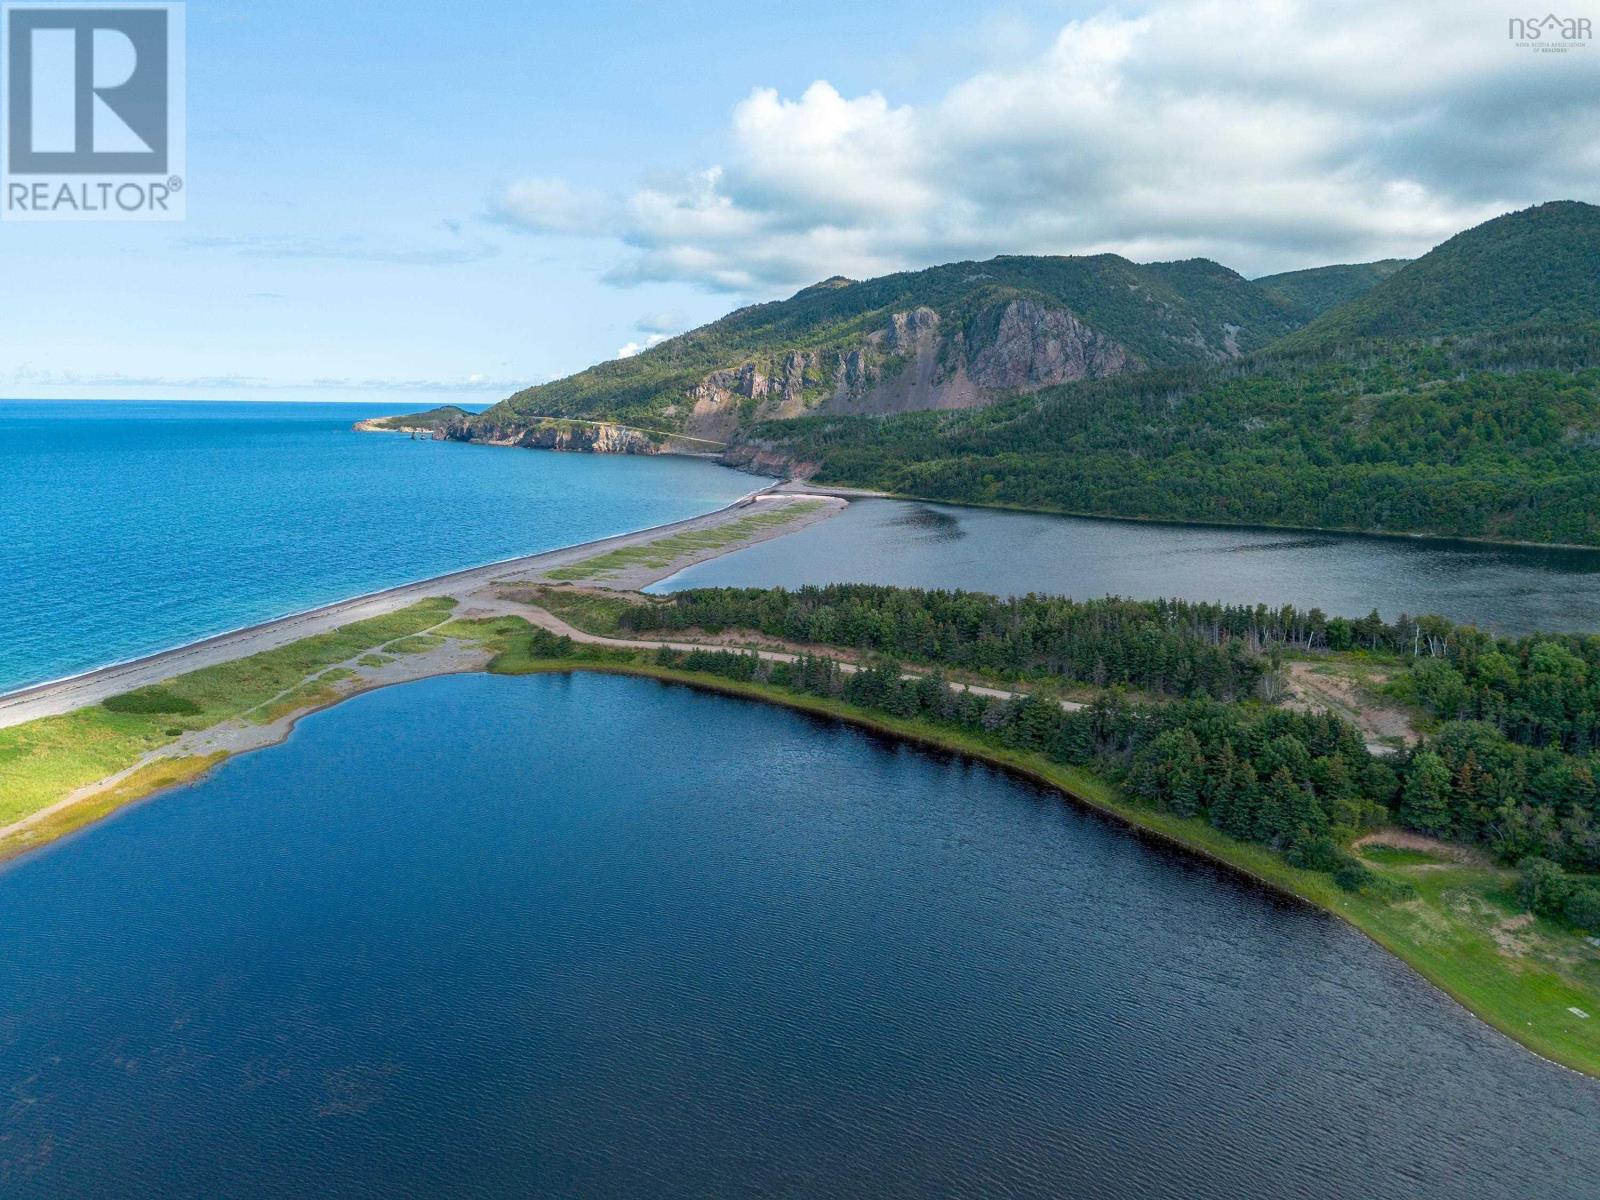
(1314, 291)
(1495, 436)
(954, 336)
(1460, 396)
(1540, 266)
(1456, 394)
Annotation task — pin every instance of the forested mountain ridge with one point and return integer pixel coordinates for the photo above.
(1459, 396)
(1316, 290)
(1496, 436)
(1539, 266)
(1454, 394)
(954, 336)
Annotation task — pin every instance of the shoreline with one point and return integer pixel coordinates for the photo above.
(1275, 876)
(840, 489)
(52, 697)
(1073, 786)
(656, 551)
(856, 492)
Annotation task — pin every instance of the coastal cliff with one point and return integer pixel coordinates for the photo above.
(911, 360)
(584, 437)
(955, 337)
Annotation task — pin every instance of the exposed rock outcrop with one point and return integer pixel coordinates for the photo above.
(593, 437)
(913, 360)
(1033, 346)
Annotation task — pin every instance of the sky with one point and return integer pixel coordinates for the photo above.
(447, 202)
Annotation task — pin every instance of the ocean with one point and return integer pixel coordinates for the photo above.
(130, 527)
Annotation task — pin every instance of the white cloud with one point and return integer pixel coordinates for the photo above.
(1268, 135)
(629, 349)
(551, 206)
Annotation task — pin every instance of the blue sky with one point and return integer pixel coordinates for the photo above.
(448, 201)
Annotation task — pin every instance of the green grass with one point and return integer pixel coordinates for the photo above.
(663, 552)
(151, 700)
(1464, 931)
(1397, 856)
(419, 644)
(42, 761)
(154, 777)
(588, 611)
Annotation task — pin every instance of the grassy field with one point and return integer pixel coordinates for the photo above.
(663, 552)
(592, 612)
(1398, 856)
(43, 761)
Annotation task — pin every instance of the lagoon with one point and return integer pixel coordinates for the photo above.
(493, 936)
(1510, 589)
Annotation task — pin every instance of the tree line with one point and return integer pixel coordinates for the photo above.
(1511, 765)
(1302, 784)
(1495, 435)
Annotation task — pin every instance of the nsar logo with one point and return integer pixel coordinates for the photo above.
(1550, 34)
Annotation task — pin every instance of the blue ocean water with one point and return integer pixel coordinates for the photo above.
(610, 938)
(126, 528)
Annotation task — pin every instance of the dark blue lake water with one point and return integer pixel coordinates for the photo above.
(594, 936)
(126, 528)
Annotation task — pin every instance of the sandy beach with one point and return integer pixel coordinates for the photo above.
(78, 691)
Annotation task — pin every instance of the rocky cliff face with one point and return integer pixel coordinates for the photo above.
(916, 360)
(594, 437)
(911, 360)
(1032, 346)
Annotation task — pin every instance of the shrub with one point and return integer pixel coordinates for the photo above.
(151, 701)
(544, 644)
(1353, 877)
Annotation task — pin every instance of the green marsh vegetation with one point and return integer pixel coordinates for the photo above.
(597, 612)
(663, 552)
(1202, 758)
(43, 761)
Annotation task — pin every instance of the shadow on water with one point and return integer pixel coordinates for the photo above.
(1508, 589)
(932, 524)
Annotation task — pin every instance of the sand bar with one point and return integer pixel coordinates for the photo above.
(65, 695)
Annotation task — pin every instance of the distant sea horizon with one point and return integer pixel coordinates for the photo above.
(399, 406)
(132, 526)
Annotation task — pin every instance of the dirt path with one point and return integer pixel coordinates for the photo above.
(548, 620)
(1313, 691)
(361, 674)
(241, 733)
(1406, 839)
